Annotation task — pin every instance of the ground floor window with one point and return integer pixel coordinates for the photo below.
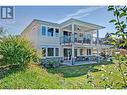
(43, 52)
(50, 51)
(56, 51)
(75, 52)
(89, 52)
(81, 51)
(67, 53)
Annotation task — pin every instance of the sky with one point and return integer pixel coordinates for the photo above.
(92, 14)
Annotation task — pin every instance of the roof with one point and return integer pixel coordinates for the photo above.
(66, 22)
(47, 22)
(82, 22)
(70, 21)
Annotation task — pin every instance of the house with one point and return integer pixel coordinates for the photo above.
(70, 40)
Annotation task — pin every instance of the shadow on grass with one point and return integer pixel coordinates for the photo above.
(7, 70)
(75, 71)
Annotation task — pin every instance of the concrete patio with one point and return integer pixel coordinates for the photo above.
(69, 63)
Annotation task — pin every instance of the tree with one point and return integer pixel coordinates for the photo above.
(2, 32)
(119, 38)
(16, 50)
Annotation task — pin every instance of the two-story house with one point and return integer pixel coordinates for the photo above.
(70, 40)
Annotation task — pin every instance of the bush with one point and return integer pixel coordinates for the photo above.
(51, 63)
(15, 50)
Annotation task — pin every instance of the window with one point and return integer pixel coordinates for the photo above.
(50, 51)
(44, 52)
(43, 30)
(89, 36)
(57, 32)
(80, 34)
(88, 51)
(81, 51)
(56, 51)
(75, 52)
(50, 31)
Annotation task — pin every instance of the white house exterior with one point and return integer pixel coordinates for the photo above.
(68, 40)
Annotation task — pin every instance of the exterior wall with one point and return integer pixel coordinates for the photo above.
(31, 33)
(47, 41)
(34, 34)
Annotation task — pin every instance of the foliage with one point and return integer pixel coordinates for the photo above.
(2, 32)
(51, 63)
(34, 77)
(15, 50)
(119, 38)
(68, 77)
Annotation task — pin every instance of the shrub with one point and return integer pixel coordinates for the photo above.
(15, 50)
(51, 63)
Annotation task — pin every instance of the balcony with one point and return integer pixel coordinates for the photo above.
(82, 40)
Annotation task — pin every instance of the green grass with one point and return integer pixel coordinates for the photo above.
(73, 77)
(33, 77)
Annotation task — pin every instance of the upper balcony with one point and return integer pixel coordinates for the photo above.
(68, 40)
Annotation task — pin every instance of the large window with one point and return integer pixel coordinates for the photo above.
(89, 52)
(43, 30)
(89, 36)
(57, 32)
(56, 51)
(81, 51)
(75, 52)
(44, 52)
(50, 51)
(50, 31)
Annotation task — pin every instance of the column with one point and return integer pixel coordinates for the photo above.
(97, 46)
(73, 59)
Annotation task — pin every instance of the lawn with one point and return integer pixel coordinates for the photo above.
(65, 77)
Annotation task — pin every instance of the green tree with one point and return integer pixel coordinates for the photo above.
(120, 21)
(2, 32)
(15, 50)
(119, 38)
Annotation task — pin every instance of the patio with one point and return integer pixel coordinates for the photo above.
(69, 62)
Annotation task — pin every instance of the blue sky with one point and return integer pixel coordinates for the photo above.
(92, 14)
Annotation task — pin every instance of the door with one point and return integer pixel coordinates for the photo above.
(89, 52)
(67, 53)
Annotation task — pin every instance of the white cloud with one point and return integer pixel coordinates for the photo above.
(80, 13)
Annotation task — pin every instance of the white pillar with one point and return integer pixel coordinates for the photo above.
(97, 45)
(46, 52)
(73, 44)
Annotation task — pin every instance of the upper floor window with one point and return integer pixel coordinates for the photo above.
(43, 30)
(57, 32)
(50, 31)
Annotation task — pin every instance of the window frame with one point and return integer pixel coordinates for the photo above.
(81, 53)
(57, 53)
(56, 34)
(42, 30)
(50, 53)
(52, 33)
